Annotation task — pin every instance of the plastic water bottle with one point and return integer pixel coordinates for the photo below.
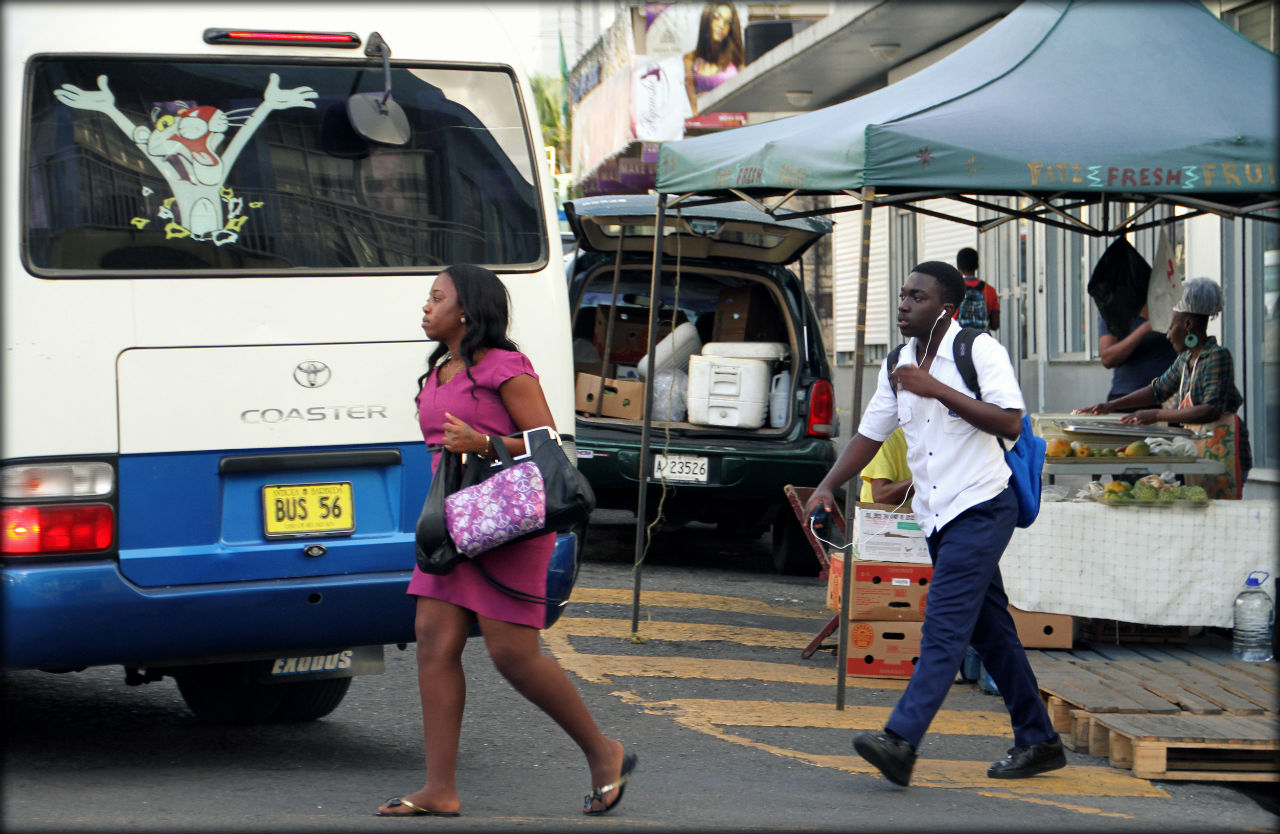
(779, 395)
(1253, 618)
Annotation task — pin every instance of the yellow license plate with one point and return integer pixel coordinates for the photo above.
(308, 509)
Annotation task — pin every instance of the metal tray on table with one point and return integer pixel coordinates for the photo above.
(1110, 427)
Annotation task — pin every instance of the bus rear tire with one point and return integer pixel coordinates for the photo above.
(309, 700)
(229, 693)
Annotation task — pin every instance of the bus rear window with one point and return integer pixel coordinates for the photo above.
(138, 166)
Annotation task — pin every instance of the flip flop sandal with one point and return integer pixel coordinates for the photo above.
(415, 811)
(629, 761)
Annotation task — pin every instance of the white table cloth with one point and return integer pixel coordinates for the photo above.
(1179, 566)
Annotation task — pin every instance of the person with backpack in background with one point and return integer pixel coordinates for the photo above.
(965, 504)
(980, 306)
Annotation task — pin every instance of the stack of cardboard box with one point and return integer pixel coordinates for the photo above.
(888, 587)
(888, 590)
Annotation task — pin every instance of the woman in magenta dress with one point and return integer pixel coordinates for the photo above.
(479, 385)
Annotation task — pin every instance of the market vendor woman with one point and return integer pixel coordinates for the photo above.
(1203, 380)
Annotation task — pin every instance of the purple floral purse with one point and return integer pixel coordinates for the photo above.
(507, 505)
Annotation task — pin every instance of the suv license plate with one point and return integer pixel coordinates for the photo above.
(680, 468)
(308, 510)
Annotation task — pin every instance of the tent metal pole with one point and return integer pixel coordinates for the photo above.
(852, 488)
(655, 278)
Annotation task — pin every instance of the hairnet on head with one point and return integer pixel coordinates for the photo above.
(1200, 296)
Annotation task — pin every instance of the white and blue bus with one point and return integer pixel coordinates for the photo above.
(220, 224)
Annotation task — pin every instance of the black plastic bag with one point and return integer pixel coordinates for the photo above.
(435, 551)
(1118, 286)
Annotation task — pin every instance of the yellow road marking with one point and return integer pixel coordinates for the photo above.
(602, 668)
(1075, 780)
(712, 716)
(729, 713)
(684, 632)
(1083, 809)
(682, 599)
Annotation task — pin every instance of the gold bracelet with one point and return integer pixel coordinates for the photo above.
(484, 451)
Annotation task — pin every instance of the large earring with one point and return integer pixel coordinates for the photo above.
(1191, 340)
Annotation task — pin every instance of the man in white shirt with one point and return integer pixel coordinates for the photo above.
(963, 502)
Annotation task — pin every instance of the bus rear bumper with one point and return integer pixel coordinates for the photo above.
(73, 615)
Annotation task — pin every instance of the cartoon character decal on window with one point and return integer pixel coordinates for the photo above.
(183, 145)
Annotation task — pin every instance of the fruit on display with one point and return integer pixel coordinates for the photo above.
(1057, 447)
(1151, 489)
(1137, 449)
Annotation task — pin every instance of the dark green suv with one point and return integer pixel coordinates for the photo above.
(727, 297)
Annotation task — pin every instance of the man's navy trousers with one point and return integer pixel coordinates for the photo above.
(967, 605)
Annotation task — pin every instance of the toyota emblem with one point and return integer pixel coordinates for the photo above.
(311, 374)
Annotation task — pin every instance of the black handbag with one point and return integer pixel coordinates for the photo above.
(568, 496)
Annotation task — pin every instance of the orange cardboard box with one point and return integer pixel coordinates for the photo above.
(879, 649)
(881, 590)
(896, 592)
(1042, 631)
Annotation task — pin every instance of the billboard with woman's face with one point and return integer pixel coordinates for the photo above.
(708, 36)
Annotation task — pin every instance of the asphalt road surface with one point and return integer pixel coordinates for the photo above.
(735, 732)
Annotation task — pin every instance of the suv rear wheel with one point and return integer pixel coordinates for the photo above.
(792, 553)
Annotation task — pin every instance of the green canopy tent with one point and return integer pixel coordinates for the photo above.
(1143, 102)
(1062, 103)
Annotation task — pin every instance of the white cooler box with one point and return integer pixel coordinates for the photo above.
(728, 391)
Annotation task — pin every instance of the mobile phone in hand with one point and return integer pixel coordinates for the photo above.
(819, 521)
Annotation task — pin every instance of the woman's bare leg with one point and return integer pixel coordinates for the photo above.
(441, 631)
(538, 677)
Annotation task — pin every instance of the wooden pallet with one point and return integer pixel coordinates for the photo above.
(1199, 747)
(1166, 715)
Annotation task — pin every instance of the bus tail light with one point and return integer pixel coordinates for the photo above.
(822, 409)
(57, 528)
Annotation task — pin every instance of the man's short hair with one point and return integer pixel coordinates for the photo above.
(967, 259)
(949, 279)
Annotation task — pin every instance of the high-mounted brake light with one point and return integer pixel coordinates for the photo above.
(822, 409)
(342, 40)
(68, 528)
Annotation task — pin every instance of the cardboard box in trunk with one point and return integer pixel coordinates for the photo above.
(630, 339)
(748, 314)
(609, 397)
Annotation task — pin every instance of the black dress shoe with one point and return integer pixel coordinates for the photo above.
(893, 756)
(1028, 761)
